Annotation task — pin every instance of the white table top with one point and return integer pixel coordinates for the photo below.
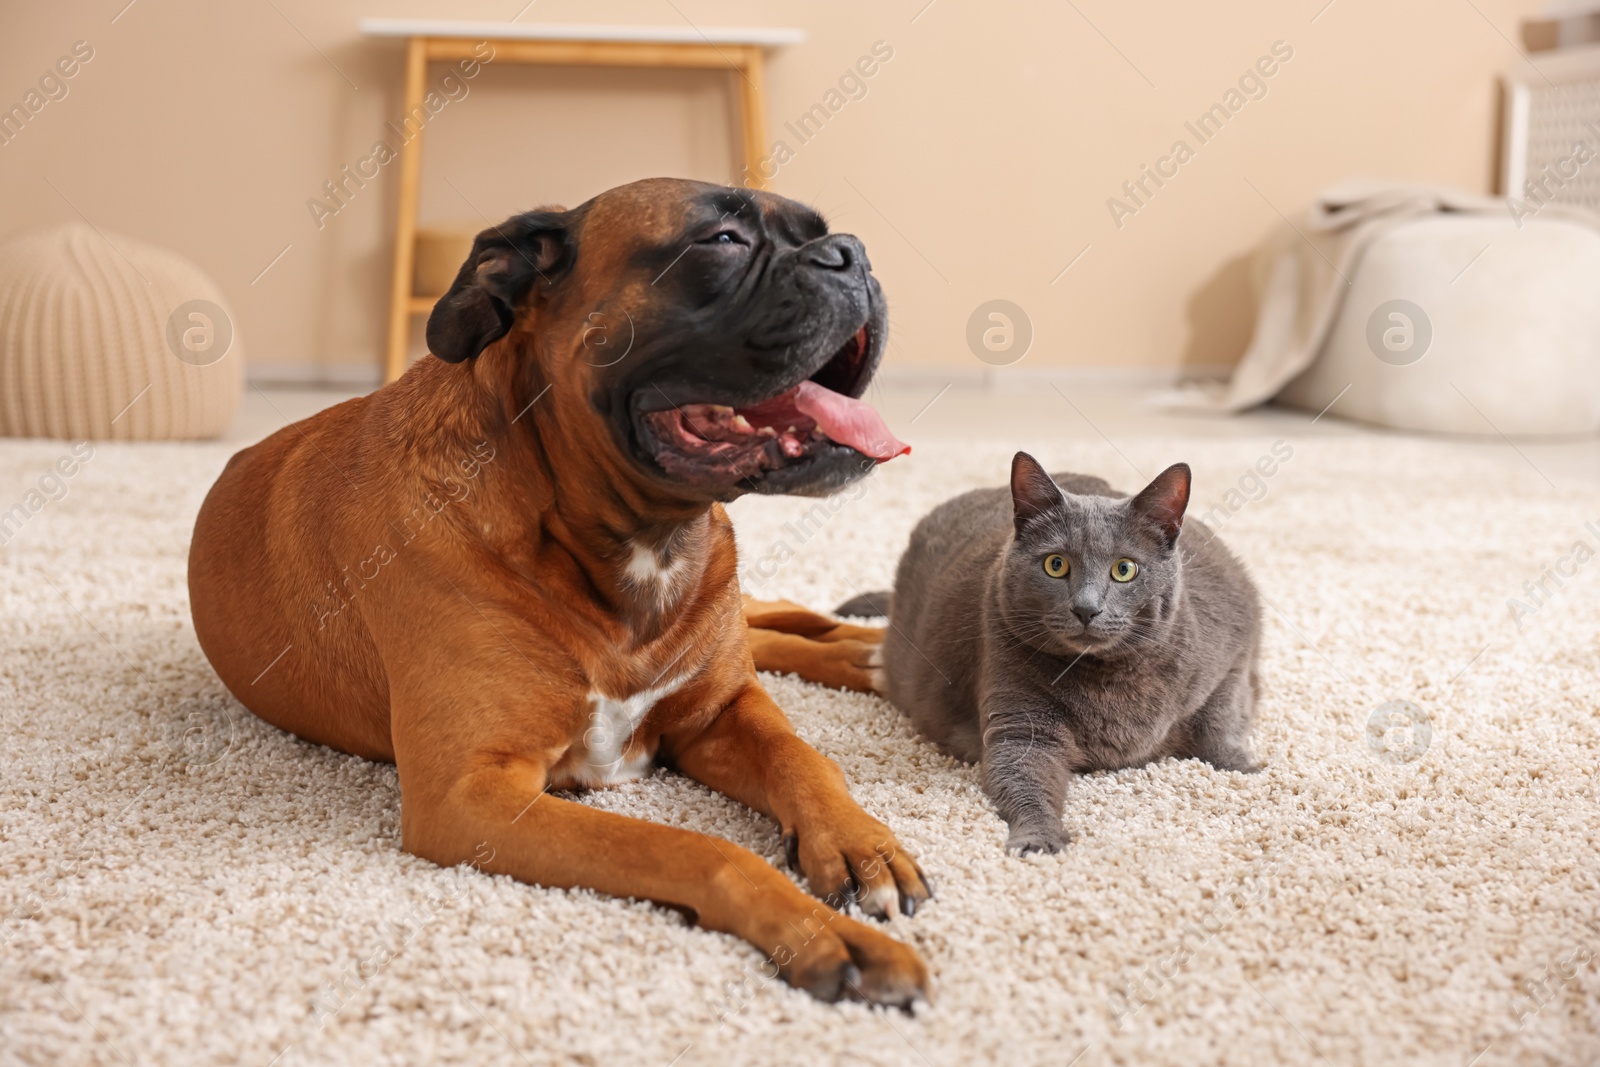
(765, 36)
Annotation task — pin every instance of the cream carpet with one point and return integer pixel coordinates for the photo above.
(181, 884)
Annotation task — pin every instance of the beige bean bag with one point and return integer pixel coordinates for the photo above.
(1422, 308)
(1508, 344)
(104, 341)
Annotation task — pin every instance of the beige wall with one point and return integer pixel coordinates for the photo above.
(977, 166)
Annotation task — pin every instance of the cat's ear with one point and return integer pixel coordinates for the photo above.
(1163, 501)
(1032, 491)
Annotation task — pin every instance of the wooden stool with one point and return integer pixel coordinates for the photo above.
(737, 50)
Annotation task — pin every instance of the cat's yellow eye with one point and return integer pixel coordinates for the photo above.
(1055, 566)
(1123, 570)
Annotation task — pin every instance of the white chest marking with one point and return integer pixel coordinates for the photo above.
(601, 758)
(644, 570)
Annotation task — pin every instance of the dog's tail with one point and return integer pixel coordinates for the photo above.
(876, 605)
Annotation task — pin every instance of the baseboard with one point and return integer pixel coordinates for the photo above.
(314, 375)
(1025, 379)
(997, 379)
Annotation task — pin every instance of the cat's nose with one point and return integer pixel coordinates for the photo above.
(1085, 614)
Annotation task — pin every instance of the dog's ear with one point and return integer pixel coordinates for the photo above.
(505, 263)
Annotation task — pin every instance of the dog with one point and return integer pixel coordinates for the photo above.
(510, 571)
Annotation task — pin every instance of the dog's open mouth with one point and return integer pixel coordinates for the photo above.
(695, 440)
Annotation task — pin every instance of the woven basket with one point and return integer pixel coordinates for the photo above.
(112, 341)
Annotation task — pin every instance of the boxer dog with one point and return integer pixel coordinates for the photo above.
(510, 571)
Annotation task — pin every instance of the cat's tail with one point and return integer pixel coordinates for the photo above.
(875, 605)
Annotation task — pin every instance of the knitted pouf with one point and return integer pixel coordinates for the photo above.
(112, 341)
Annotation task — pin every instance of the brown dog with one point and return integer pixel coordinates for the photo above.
(509, 572)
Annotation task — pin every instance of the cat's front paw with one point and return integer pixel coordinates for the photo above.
(1236, 760)
(1037, 839)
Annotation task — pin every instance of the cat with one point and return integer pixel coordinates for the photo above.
(1061, 627)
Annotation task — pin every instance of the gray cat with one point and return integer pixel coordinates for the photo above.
(1043, 633)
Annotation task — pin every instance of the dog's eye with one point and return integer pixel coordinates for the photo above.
(724, 237)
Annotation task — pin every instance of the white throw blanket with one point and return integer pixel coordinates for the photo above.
(1303, 271)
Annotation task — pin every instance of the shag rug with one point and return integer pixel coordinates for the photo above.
(1412, 880)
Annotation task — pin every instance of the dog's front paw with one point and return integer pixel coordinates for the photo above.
(1037, 839)
(841, 959)
(855, 857)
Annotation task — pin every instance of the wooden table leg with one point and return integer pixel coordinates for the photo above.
(753, 108)
(405, 230)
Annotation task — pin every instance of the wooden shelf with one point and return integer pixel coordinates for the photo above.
(760, 36)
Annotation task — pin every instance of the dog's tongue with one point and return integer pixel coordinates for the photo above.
(848, 421)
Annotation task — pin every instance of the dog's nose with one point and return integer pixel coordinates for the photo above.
(835, 252)
(1085, 613)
